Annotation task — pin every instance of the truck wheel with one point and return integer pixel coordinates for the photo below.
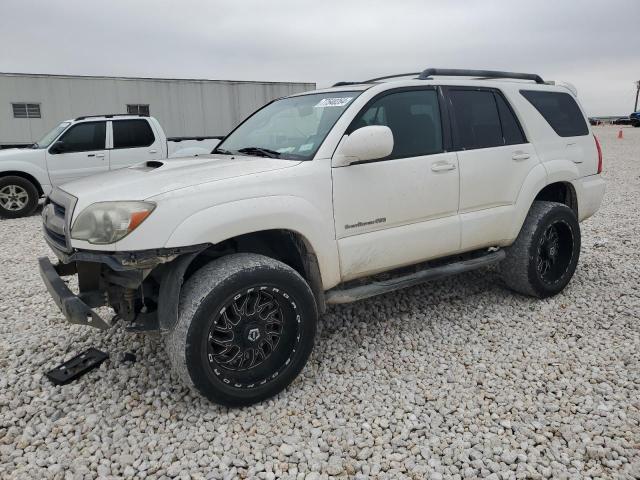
(246, 327)
(544, 257)
(18, 197)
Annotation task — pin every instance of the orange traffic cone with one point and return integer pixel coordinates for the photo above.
(620, 134)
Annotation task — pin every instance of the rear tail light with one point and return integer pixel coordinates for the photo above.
(599, 154)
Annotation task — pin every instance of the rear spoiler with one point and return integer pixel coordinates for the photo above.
(569, 86)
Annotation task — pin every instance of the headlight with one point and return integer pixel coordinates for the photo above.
(108, 222)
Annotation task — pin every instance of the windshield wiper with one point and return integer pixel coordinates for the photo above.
(222, 151)
(264, 152)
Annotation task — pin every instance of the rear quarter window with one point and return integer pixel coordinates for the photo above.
(560, 110)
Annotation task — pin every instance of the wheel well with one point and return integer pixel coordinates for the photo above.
(561, 192)
(26, 176)
(287, 246)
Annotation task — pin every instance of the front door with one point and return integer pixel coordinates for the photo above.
(82, 152)
(402, 209)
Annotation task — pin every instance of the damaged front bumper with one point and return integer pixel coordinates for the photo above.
(74, 307)
(129, 282)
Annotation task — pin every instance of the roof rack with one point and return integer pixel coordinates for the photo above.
(454, 72)
(111, 115)
(482, 74)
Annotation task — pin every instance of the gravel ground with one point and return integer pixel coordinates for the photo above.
(454, 379)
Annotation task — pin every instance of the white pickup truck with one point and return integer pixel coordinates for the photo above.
(85, 146)
(326, 197)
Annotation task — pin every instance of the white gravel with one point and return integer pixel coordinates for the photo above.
(454, 379)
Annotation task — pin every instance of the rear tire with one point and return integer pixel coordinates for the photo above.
(544, 257)
(246, 327)
(18, 197)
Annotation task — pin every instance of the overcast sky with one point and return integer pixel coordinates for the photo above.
(592, 44)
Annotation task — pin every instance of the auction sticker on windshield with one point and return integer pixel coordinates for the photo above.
(333, 102)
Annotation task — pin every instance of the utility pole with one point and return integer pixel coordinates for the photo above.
(635, 109)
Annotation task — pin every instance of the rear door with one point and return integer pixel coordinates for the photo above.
(133, 141)
(84, 153)
(494, 157)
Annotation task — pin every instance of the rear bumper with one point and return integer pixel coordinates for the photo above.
(72, 306)
(590, 191)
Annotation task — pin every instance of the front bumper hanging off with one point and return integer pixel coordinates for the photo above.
(116, 279)
(74, 307)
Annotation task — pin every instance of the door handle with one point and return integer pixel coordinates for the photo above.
(518, 156)
(100, 155)
(153, 151)
(91, 154)
(442, 167)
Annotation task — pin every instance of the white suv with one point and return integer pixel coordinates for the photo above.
(233, 256)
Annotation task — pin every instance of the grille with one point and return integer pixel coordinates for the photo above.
(56, 237)
(58, 209)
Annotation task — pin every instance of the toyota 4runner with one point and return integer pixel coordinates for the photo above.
(327, 197)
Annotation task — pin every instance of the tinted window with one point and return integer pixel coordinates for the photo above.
(476, 119)
(560, 110)
(414, 120)
(132, 134)
(511, 131)
(84, 137)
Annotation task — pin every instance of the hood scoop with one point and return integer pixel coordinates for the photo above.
(148, 166)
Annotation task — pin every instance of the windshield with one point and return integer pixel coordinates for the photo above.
(290, 128)
(45, 141)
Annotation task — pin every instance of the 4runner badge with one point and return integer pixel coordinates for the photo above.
(254, 334)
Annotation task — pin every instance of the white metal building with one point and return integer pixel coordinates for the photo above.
(32, 104)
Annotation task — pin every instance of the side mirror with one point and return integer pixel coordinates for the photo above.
(57, 147)
(367, 143)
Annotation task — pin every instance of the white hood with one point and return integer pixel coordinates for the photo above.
(150, 179)
(21, 154)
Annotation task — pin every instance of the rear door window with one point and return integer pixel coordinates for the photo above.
(84, 137)
(132, 134)
(476, 119)
(560, 110)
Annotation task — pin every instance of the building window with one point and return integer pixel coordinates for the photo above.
(26, 110)
(138, 109)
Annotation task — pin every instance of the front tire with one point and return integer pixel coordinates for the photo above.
(246, 327)
(18, 197)
(544, 257)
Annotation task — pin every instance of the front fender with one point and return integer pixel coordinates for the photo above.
(221, 222)
(33, 169)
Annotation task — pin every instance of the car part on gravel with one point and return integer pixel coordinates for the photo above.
(77, 366)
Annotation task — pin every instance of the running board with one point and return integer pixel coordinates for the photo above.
(361, 292)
